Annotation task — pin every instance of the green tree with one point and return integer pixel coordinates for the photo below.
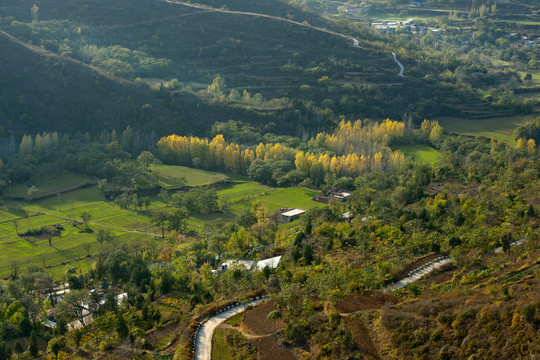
(17, 347)
(176, 219)
(121, 327)
(86, 217)
(529, 313)
(308, 254)
(146, 202)
(49, 230)
(71, 305)
(103, 235)
(164, 195)
(160, 218)
(146, 158)
(55, 345)
(33, 346)
(5, 351)
(32, 191)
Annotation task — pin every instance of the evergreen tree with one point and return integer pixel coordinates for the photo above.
(121, 327)
(33, 347)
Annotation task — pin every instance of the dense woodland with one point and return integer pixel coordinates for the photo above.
(112, 94)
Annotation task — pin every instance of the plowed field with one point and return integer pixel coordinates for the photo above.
(364, 301)
(257, 320)
(270, 350)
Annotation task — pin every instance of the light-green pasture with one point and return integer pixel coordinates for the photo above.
(424, 153)
(501, 128)
(46, 184)
(240, 196)
(171, 175)
(69, 248)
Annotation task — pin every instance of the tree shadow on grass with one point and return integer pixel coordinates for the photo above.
(17, 211)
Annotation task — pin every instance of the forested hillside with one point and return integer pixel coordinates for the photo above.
(45, 92)
(305, 78)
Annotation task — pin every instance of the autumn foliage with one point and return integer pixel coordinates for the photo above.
(353, 148)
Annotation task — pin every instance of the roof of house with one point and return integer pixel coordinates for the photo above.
(272, 263)
(293, 212)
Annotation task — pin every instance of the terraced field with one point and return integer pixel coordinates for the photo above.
(501, 128)
(70, 247)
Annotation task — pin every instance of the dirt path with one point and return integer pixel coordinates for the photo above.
(362, 337)
(356, 42)
(242, 331)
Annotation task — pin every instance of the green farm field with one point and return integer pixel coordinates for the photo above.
(220, 349)
(239, 196)
(424, 153)
(171, 175)
(72, 248)
(55, 185)
(499, 128)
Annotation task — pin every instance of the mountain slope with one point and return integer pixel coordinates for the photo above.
(40, 91)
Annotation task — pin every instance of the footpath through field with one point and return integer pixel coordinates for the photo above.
(203, 340)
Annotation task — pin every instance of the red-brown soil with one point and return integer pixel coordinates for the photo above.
(270, 350)
(257, 322)
(361, 336)
(261, 330)
(364, 301)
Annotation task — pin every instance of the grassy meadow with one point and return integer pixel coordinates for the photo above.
(499, 128)
(236, 197)
(424, 153)
(45, 185)
(171, 175)
(69, 248)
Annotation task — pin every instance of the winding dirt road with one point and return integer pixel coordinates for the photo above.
(356, 42)
(401, 68)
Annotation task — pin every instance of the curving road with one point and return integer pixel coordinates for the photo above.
(401, 68)
(203, 338)
(420, 273)
(209, 8)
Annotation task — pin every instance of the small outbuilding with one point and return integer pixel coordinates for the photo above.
(271, 263)
(290, 215)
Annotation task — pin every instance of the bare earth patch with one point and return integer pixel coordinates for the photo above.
(270, 350)
(257, 322)
(364, 301)
(361, 336)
